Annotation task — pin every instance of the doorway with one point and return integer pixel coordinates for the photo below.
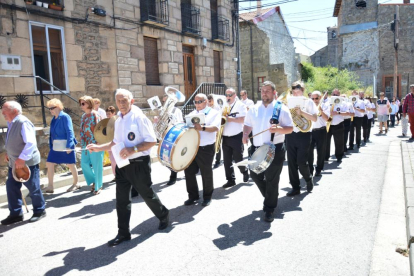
(189, 71)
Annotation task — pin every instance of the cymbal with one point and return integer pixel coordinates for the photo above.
(104, 130)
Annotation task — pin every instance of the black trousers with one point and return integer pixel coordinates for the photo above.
(319, 137)
(137, 175)
(347, 128)
(367, 133)
(392, 116)
(297, 154)
(173, 175)
(365, 127)
(232, 150)
(268, 181)
(355, 130)
(203, 162)
(218, 156)
(337, 131)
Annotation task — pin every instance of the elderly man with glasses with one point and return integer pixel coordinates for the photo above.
(247, 102)
(205, 155)
(232, 138)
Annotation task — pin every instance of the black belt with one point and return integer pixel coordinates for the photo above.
(206, 146)
(319, 128)
(138, 159)
(233, 135)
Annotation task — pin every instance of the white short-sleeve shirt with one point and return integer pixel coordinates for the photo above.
(310, 108)
(361, 105)
(258, 117)
(321, 122)
(370, 113)
(213, 118)
(233, 128)
(350, 109)
(133, 129)
(248, 103)
(343, 108)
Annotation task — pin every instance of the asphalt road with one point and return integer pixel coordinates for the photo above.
(331, 231)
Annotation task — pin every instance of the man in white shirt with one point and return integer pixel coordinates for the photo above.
(135, 131)
(205, 155)
(247, 102)
(232, 138)
(365, 118)
(336, 129)
(298, 144)
(318, 134)
(359, 108)
(347, 120)
(276, 117)
(97, 108)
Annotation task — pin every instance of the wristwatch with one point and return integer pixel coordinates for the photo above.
(135, 149)
(204, 128)
(339, 112)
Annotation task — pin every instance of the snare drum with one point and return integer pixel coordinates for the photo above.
(263, 156)
(178, 147)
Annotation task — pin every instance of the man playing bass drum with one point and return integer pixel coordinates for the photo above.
(276, 117)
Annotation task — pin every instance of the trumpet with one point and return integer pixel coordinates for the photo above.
(320, 104)
(226, 112)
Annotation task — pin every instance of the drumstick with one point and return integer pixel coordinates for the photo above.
(261, 132)
(24, 202)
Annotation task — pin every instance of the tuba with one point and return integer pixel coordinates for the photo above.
(300, 122)
(225, 113)
(166, 118)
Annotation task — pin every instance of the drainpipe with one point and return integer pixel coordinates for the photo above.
(251, 61)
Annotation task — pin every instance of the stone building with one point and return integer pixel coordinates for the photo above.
(365, 44)
(267, 51)
(92, 47)
(327, 55)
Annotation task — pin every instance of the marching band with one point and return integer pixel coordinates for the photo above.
(289, 125)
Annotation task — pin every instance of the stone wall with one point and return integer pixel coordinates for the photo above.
(349, 14)
(320, 57)
(405, 50)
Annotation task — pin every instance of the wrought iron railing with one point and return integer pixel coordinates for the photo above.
(220, 27)
(190, 19)
(154, 12)
(24, 99)
(205, 88)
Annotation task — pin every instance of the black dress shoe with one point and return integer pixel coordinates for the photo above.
(318, 173)
(358, 146)
(246, 177)
(309, 186)
(350, 148)
(164, 223)
(293, 193)
(339, 160)
(12, 219)
(216, 165)
(171, 182)
(268, 216)
(206, 202)
(190, 201)
(119, 239)
(229, 184)
(37, 216)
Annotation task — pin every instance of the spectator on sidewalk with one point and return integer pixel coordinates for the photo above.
(408, 108)
(382, 112)
(404, 121)
(394, 111)
(97, 108)
(61, 132)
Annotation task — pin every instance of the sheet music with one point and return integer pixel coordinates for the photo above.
(190, 120)
(120, 162)
(297, 101)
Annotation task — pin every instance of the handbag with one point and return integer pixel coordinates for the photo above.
(59, 145)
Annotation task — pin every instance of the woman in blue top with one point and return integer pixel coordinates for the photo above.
(61, 129)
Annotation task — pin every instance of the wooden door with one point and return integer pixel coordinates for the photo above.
(189, 71)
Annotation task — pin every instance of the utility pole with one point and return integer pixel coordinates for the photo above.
(396, 41)
(239, 80)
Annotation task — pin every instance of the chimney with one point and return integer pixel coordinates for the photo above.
(406, 1)
(259, 8)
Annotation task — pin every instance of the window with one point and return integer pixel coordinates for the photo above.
(152, 73)
(333, 34)
(260, 81)
(49, 58)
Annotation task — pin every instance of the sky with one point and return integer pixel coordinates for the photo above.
(306, 20)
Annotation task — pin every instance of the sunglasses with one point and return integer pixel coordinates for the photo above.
(198, 102)
(229, 95)
(82, 104)
(51, 108)
(315, 98)
(296, 87)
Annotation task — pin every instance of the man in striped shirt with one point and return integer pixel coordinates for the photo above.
(408, 108)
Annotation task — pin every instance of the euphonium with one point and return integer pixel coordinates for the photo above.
(226, 112)
(300, 122)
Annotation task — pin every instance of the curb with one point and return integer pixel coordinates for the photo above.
(407, 159)
(60, 180)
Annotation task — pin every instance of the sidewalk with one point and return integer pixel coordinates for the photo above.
(65, 179)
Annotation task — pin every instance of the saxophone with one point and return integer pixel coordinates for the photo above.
(226, 112)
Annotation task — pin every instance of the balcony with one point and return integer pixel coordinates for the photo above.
(190, 19)
(220, 28)
(155, 12)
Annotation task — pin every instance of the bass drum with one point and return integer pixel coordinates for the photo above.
(178, 147)
(263, 156)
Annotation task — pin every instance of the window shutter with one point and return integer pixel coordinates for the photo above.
(151, 61)
(217, 77)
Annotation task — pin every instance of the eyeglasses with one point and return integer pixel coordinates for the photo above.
(296, 87)
(229, 95)
(51, 108)
(198, 102)
(315, 98)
